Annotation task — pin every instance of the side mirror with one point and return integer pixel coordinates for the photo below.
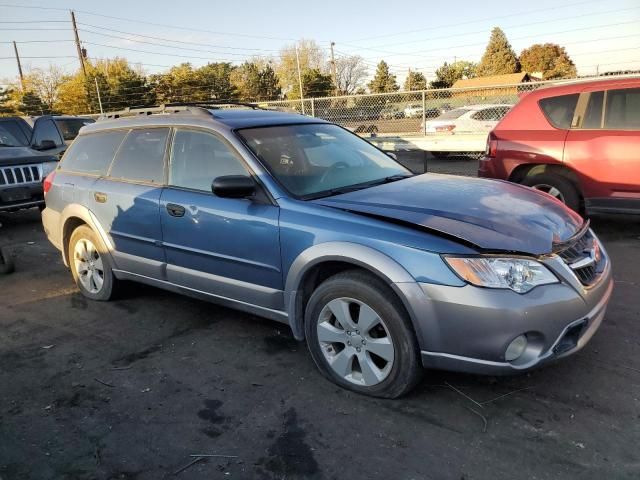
(45, 145)
(233, 186)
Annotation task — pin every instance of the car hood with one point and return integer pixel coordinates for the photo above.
(10, 156)
(489, 214)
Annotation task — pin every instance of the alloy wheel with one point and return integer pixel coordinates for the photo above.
(88, 265)
(355, 342)
(551, 190)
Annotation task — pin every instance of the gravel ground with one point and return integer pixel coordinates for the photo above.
(130, 389)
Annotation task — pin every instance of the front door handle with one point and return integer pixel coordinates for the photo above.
(100, 197)
(175, 210)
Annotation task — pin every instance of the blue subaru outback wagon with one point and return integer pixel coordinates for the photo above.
(292, 218)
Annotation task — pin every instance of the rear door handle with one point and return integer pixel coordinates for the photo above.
(100, 197)
(175, 210)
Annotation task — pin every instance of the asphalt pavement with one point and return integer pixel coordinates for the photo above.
(131, 389)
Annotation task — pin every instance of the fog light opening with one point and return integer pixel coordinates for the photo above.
(516, 348)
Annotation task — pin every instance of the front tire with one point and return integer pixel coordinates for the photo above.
(90, 265)
(360, 337)
(557, 186)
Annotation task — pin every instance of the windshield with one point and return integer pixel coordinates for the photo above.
(451, 114)
(315, 160)
(11, 135)
(69, 127)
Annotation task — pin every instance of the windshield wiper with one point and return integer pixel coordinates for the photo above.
(7, 145)
(359, 186)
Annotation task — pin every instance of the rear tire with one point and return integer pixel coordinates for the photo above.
(6, 262)
(90, 265)
(369, 346)
(557, 186)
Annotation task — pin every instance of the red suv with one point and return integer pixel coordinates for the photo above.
(578, 142)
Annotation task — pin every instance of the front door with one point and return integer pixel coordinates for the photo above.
(221, 246)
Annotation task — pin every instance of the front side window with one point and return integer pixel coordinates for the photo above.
(623, 109)
(69, 127)
(593, 113)
(314, 160)
(559, 110)
(197, 158)
(46, 130)
(92, 153)
(141, 156)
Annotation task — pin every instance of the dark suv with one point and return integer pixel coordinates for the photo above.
(22, 168)
(301, 221)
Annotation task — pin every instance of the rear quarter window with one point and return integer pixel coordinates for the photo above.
(559, 110)
(92, 154)
(623, 109)
(141, 156)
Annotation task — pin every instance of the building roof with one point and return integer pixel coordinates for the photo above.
(492, 80)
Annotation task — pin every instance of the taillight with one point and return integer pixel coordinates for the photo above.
(48, 182)
(492, 146)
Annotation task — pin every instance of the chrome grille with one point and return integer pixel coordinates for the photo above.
(20, 175)
(583, 257)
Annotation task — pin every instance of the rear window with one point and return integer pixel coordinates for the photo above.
(69, 127)
(451, 114)
(12, 135)
(141, 156)
(623, 109)
(559, 110)
(92, 154)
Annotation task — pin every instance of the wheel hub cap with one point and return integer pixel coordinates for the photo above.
(355, 342)
(88, 265)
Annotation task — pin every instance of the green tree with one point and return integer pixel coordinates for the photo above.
(314, 84)
(120, 85)
(32, 104)
(176, 84)
(448, 74)
(6, 104)
(215, 83)
(255, 83)
(550, 59)
(499, 57)
(415, 81)
(383, 80)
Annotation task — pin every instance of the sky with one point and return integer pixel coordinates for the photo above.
(599, 36)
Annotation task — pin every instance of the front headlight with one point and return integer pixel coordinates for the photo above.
(47, 168)
(518, 274)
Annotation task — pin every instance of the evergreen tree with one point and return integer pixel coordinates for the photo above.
(6, 107)
(415, 81)
(32, 104)
(383, 81)
(499, 57)
(269, 84)
(315, 84)
(549, 59)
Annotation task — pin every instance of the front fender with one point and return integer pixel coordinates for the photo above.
(362, 256)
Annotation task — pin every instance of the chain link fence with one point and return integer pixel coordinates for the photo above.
(437, 120)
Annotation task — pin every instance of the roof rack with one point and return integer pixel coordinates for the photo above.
(193, 108)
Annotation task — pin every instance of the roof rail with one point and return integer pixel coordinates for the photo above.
(156, 110)
(216, 104)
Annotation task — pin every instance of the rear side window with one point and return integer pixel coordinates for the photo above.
(452, 114)
(141, 156)
(623, 109)
(559, 110)
(46, 130)
(93, 153)
(593, 113)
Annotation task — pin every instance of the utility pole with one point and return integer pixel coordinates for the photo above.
(78, 47)
(333, 70)
(15, 49)
(409, 80)
(300, 80)
(98, 92)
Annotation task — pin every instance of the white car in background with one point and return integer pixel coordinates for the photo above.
(469, 119)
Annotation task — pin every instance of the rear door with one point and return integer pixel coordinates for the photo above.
(228, 247)
(126, 201)
(604, 148)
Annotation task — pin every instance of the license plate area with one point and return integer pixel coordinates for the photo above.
(16, 194)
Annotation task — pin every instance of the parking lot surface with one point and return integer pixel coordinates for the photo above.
(130, 389)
